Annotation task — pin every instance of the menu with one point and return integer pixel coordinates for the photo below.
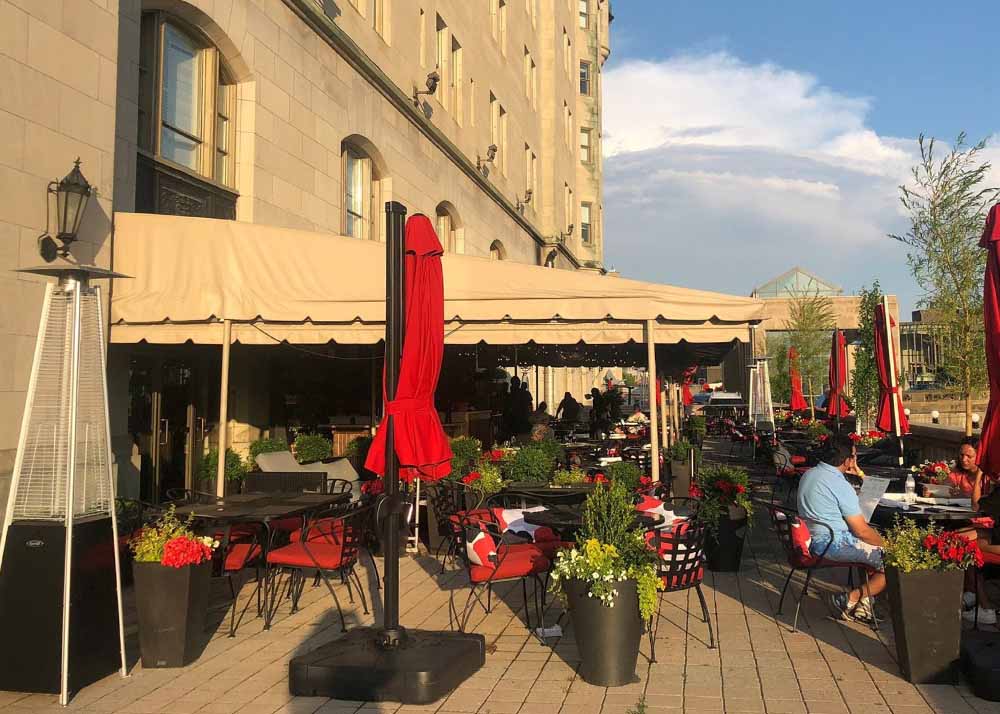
(872, 489)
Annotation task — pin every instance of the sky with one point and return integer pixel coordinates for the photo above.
(744, 138)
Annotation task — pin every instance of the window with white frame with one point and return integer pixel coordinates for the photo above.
(187, 104)
(584, 14)
(586, 230)
(586, 145)
(360, 192)
(456, 81)
(443, 60)
(585, 78)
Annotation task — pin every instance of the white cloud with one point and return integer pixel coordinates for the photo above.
(721, 174)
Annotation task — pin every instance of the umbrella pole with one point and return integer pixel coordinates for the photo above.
(812, 399)
(836, 372)
(392, 633)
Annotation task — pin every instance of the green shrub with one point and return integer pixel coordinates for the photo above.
(359, 446)
(626, 473)
(679, 450)
(490, 480)
(147, 546)
(310, 448)
(696, 425)
(236, 467)
(909, 547)
(466, 452)
(553, 448)
(531, 464)
(266, 446)
(570, 477)
(815, 429)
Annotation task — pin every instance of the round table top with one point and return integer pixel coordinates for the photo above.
(924, 512)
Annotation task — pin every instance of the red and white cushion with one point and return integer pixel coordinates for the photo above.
(511, 520)
(480, 546)
(801, 540)
(654, 506)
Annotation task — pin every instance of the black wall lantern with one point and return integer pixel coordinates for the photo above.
(67, 199)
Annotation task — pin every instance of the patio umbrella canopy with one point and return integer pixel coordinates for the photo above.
(835, 405)
(888, 385)
(989, 450)
(797, 402)
(420, 441)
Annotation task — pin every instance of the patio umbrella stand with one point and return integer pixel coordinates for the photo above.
(389, 662)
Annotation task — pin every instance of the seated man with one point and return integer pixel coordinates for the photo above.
(825, 496)
(638, 417)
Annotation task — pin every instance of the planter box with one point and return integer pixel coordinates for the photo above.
(171, 604)
(724, 548)
(680, 478)
(607, 638)
(926, 609)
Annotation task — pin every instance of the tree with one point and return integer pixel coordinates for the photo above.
(947, 205)
(810, 322)
(777, 367)
(864, 381)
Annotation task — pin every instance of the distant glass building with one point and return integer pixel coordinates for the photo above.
(796, 281)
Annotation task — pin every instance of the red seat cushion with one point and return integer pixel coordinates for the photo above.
(798, 460)
(518, 561)
(325, 556)
(240, 555)
(683, 581)
(801, 556)
(286, 525)
(324, 530)
(991, 558)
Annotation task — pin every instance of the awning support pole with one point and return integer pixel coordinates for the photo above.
(220, 478)
(654, 435)
(664, 427)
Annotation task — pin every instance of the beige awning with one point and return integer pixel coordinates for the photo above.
(313, 288)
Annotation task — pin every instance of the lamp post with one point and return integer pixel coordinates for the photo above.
(67, 200)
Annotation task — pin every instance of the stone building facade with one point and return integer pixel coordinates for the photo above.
(295, 113)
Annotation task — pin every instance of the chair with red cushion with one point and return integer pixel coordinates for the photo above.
(240, 547)
(795, 538)
(324, 546)
(681, 563)
(490, 560)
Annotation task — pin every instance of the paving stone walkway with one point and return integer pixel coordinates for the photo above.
(827, 667)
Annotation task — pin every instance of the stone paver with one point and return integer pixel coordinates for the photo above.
(760, 666)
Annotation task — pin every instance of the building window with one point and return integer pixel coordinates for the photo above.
(567, 50)
(456, 80)
(497, 251)
(530, 78)
(584, 14)
(531, 174)
(360, 192)
(567, 124)
(585, 78)
(442, 59)
(472, 102)
(449, 229)
(586, 234)
(586, 153)
(422, 19)
(379, 18)
(503, 27)
(568, 206)
(186, 123)
(498, 132)
(187, 105)
(498, 23)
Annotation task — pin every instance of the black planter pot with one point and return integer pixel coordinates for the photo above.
(724, 548)
(926, 608)
(171, 604)
(606, 637)
(680, 478)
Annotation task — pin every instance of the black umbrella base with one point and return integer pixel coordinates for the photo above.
(424, 669)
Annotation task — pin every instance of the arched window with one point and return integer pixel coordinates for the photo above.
(449, 228)
(497, 251)
(361, 188)
(187, 101)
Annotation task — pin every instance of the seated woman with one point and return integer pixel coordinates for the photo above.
(969, 480)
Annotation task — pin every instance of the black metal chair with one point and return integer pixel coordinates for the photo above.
(681, 566)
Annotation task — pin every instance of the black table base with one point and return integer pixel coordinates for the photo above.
(357, 668)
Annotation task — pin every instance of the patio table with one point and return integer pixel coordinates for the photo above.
(924, 514)
(567, 520)
(260, 508)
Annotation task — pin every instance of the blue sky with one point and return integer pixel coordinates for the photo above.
(742, 138)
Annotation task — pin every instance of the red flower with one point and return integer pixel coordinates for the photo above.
(496, 455)
(854, 437)
(740, 488)
(183, 551)
(930, 541)
(373, 487)
(695, 492)
(471, 477)
(874, 434)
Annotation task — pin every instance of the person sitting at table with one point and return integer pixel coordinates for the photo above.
(638, 417)
(826, 497)
(542, 432)
(568, 409)
(540, 415)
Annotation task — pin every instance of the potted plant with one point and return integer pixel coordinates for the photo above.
(265, 446)
(172, 569)
(933, 477)
(533, 464)
(626, 473)
(236, 469)
(724, 505)
(310, 448)
(357, 453)
(696, 427)
(484, 482)
(924, 570)
(679, 455)
(609, 582)
(569, 477)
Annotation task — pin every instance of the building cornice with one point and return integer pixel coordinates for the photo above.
(310, 13)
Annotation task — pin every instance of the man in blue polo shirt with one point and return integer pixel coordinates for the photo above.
(826, 497)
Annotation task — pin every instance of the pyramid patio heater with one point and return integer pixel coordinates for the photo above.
(60, 587)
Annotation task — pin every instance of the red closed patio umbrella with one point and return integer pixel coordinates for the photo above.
(797, 402)
(836, 406)
(891, 417)
(420, 442)
(989, 448)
